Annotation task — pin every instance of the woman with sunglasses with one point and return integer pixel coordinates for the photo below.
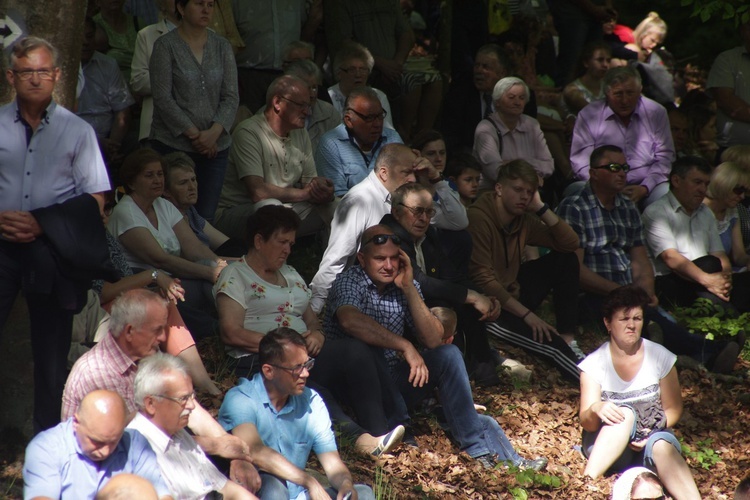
(261, 292)
(729, 186)
(630, 399)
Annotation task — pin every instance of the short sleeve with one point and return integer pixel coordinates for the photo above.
(324, 440)
(237, 409)
(231, 284)
(143, 462)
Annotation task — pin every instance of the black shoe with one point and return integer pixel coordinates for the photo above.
(485, 375)
(536, 465)
(488, 460)
(409, 439)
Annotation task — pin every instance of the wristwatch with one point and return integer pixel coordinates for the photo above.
(154, 275)
(436, 179)
(542, 210)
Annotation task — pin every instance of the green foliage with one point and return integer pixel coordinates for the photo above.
(382, 487)
(711, 320)
(531, 480)
(706, 10)
(703, 454)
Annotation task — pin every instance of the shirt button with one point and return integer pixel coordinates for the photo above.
(28, 173)
(27, 196)
(31, 150)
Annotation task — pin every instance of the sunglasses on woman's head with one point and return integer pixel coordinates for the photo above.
(738, 190)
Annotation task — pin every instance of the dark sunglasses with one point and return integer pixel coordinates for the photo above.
(740, 190)
(615, 167)
(380, 239)
(420, 211)
(369, 118)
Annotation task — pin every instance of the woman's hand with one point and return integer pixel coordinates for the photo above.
(314, 341)
(205, 141)
(638, 445)
(540, 329)
(171, 289)
(608, 412)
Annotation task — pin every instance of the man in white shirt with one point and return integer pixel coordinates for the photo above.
(165, 398)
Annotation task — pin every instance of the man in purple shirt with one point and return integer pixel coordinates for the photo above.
(633, 122)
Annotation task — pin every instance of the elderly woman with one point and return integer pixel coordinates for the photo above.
(630, 397)
(729, 185)
(194, 86)
(261, 292)
(352, 66)
(181, 188)
(508, 134)
(155, 235)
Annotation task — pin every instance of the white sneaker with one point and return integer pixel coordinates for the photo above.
(517, 369)
(576, 350)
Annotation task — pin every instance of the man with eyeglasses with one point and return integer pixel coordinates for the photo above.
(271, 162)
(442, 283)
(51, 192)
(165, 399)
(291, 419)
(367, 202)
(613, 253)
(137, 326)
(348, 153)
(79, 456)
(638, 125)
(377, 302)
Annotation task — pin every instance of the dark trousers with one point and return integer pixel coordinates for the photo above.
(356, 375)
(51, 328)
(558, 273)
(674, 290)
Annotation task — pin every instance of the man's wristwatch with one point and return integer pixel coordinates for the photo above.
(154, 275)
(542, 210)
(436, 179)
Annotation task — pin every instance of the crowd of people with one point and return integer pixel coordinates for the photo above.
(456, 174)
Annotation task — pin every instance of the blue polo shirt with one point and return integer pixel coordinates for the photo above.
(302, 424)
(338, 158)
(55, 466)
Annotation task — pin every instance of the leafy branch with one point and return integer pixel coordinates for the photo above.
(711, 320)
(739, 10)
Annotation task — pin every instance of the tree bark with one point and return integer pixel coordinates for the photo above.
(60, 22)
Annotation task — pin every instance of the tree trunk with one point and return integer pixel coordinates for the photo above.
(60, 22)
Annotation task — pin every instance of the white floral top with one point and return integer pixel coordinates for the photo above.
(267, 306)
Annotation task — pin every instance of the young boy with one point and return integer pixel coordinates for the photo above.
(464, 172)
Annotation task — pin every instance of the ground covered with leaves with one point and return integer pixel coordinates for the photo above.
(540, 418)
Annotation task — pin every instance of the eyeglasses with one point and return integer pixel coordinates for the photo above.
(296, 371)
(369, 118)
(303, 105)
(615, 167)
(43, 74)
(182, 400)
(420, 211)
(355, 70)
(740, 190)
(381, 239)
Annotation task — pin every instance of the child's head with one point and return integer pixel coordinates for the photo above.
(448, 319)
(465, 172)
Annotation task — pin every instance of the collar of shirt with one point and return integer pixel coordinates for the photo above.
(378, 186)
(261, 394)
(155, 436)
(677, 206)
(121, 360)
(608, 114)
(588, 193)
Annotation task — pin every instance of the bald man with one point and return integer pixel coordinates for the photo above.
(76, 458)
(127, 486)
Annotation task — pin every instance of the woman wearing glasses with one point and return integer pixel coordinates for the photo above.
(353, 64)
(194, 86)
(729, 186)
(261, 292)
(630, 399)
(508, 134)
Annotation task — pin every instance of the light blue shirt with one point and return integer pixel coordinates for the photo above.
(55, 466)
(302, 424)
(60, 162)
(340, 160)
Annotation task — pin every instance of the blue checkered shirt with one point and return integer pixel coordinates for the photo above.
(607, 236)
(354, 288)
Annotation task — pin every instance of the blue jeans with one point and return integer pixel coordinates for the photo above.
(631, 458)
(475, 434)
(210, 175)
(273, 488)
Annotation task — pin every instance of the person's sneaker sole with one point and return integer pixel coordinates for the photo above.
(389, 441)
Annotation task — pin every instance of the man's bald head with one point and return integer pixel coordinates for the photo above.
(126, 487)
(99, 422)
(395, 166)
(371, 232)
